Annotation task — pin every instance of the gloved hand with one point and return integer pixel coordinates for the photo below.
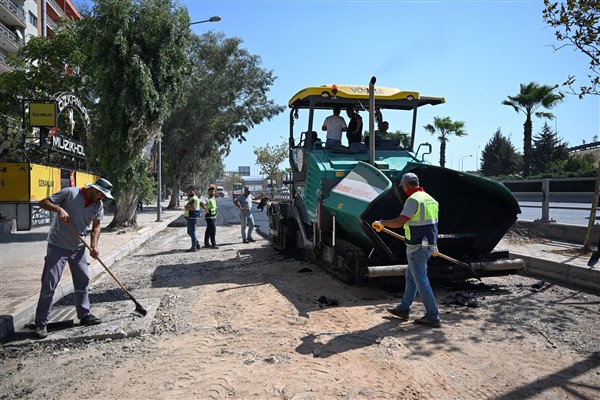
(377, 225)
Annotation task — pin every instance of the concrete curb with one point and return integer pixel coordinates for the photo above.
(26, 312)
(561, 232)
(568, 275)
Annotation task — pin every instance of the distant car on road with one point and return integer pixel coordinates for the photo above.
(220, 191)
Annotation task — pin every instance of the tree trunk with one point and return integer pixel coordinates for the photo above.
(174, 202)
(592, 221)
(527, 128)
(443, 154)
(126, 210)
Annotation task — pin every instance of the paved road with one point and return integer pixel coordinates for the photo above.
(531, 211)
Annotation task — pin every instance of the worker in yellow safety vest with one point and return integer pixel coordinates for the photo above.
(192, 215)
(209, 204)
(419, 217)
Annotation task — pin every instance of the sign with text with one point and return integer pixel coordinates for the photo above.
(43, 114)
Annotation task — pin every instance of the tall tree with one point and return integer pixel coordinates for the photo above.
(547, 149)
(135, 54)
(576, 23)
(499, 157)
(445, 127)
(227, 97)
(532, 97)
(269, 158)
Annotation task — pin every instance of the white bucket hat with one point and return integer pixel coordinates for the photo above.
(104, 186)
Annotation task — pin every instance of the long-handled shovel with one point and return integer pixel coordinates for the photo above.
(441, 255)
(138, 306)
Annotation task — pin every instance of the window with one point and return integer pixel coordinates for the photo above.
(32, 19)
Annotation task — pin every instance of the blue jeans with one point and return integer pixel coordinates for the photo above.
(246, 218)
(417, 281)
(191, 231)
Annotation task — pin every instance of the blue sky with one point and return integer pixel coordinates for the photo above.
(473, 53)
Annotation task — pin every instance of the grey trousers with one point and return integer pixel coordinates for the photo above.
(54, 265)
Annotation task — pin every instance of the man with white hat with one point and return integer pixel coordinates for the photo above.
(419, 217)
(76, 209)
(244, 203)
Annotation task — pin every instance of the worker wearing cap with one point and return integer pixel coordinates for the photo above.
(419, 217)
(192, 214)
(76, 209)
(244, 203)
(209, 204)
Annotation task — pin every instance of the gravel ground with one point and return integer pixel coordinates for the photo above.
(245, 322)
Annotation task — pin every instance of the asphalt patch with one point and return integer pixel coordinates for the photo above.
(119, 320)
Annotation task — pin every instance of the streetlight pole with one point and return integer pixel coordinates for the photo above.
(462, 162)
(215, 18)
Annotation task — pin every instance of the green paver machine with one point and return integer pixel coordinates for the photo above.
(336, 193)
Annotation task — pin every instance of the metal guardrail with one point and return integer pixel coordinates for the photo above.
(545, 199)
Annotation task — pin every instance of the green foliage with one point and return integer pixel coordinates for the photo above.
(226, 96)
(574, 166)
(532, 97)
(403, 137)
(269, 158)
(576, 23)
(445, 127)
(39, 73)
(135, 56)
(547, 149)
(499, 157)
(136, 171)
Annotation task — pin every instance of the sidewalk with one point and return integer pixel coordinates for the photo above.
(22, 260)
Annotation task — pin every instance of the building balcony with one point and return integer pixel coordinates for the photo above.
(53, 10)
(3, 64)
(9, 42)
(12, 15)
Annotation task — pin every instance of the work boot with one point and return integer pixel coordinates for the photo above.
(214, 246)
(433, 323)
(250, 240)
(399, 313)
(90, 320)
(198, 246)
(41, 332)
(192, 249)
(245, 241)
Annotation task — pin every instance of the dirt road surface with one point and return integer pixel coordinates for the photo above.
(245, 322)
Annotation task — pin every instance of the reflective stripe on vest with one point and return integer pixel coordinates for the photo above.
(211, 204)
(427, 212)
(193, 213)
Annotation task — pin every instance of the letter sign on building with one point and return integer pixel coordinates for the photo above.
(43, 114)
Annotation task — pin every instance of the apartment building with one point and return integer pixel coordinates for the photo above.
(22, 19)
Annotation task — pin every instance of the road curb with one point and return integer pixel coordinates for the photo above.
(26, 312)
(586, 279)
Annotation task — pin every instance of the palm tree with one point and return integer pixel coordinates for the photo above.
(530, 98)
(445, 127)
